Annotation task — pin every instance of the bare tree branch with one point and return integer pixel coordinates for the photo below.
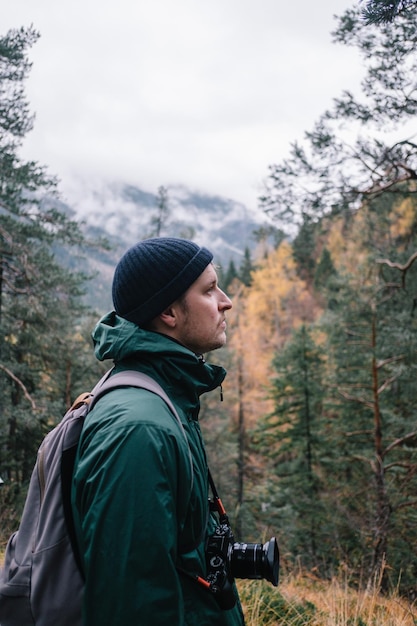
(387, 383)
(392, 359)
(21, 385)
(398, 266)
(363, 401)
(400, 441)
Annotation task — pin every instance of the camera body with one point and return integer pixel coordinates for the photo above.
(228, 559)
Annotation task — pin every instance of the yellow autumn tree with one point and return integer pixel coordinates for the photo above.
(262, 319)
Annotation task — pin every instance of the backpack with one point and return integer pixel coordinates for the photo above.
(41, 583)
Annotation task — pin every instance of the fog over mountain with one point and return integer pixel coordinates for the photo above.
(125, 214)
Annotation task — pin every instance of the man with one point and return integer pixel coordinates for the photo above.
(141, 511)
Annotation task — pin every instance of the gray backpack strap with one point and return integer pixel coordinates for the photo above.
(133, 378)
(130, 378)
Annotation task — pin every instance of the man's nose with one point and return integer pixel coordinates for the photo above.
(225, 302)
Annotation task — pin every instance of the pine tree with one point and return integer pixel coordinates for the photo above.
(325, 270)
(246, 268)
(40, 300)
(371, 360)
(349, 156)
(304, 249)
(382, 11)
(291, 438)
(229, 276)
(158, 221)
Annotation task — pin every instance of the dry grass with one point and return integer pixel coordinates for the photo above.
(304, 600)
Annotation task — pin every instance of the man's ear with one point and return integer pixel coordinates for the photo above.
(168, 317)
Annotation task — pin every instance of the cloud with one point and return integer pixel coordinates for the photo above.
(163, 92)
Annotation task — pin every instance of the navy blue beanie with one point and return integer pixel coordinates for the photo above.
(154, 273)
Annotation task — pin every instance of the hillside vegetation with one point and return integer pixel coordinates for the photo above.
(309, 601)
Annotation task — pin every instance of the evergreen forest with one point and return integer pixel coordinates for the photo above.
(316, 438)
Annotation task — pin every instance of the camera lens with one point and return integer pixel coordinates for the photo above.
(256, 560)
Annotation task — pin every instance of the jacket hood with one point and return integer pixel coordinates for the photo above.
(130, 346)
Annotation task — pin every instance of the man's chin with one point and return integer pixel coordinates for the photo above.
(220, 343)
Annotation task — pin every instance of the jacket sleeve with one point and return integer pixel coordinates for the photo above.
(131, 489)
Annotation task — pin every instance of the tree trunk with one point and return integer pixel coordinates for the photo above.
(382, 507)
(241, 448)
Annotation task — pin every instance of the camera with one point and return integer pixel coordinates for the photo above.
(227, 559)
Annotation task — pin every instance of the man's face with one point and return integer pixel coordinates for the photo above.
(201, 323)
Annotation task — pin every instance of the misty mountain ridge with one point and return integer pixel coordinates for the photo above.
(125, 214)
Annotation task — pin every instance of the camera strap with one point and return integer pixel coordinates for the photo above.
(216, 504)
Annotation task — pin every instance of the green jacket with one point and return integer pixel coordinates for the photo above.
(141, 513)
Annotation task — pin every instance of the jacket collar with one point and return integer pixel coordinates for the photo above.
(184, 375)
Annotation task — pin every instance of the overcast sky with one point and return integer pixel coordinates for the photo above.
(195, 92)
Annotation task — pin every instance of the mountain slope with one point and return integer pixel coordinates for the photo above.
(124, 214)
